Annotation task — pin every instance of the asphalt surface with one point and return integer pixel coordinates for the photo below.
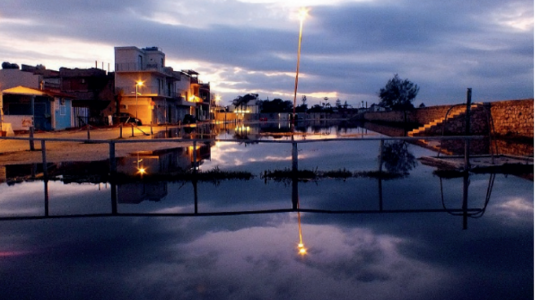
(83, 147)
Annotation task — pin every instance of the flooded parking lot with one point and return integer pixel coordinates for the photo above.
(417, 235)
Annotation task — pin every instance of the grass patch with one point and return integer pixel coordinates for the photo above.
(339, 174)
(288, 174)
(378, 175)
(307, 175)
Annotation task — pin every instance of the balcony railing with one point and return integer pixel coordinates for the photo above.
(146, 90)
(132, 67)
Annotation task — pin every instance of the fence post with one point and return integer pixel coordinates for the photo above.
(294, 157)
(467, 130)
(45, 165)
(32, 147)
(195, 157)
(380, 157)
(113, 164)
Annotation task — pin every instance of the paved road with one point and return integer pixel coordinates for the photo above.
(18, 151)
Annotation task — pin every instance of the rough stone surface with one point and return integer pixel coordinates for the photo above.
(511, 118)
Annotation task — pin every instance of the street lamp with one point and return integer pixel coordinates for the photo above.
(302, 15)
(138, 83)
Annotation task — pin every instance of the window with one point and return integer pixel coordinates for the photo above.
(62, 108)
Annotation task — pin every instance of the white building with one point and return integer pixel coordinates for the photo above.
(152, 92)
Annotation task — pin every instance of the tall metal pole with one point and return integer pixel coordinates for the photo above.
(298, 60)
(136, 99)
(467, 129)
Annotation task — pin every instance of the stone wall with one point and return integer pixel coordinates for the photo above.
(511, 118)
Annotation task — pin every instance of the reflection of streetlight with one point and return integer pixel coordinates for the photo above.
(302, 15)
(301, 246)
(138, 83)
(140, 170)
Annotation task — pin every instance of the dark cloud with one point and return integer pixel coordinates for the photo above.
(350, 48)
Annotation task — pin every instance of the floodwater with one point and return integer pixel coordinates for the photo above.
(417, 236)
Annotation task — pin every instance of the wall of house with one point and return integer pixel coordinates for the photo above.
(62, 114)
(10, 78)
(126, 59)
(20, 122)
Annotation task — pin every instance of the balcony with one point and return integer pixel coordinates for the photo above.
(134, 67)
(146, 90)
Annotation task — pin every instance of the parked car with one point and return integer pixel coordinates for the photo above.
(189, 119)
(127, 118)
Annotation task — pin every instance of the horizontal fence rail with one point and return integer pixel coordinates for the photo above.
(100, 141)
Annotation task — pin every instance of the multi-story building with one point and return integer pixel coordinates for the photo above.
(94, 94)
(154, 93)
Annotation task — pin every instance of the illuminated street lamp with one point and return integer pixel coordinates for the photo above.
(303, 12)
(138, 83)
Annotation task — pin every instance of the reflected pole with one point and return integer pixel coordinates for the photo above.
(302, 14)
(138, 84)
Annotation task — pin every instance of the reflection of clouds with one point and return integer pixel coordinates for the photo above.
(90, 198)
(369, 261)
(515, 209)
(270, 158)
(261, 263)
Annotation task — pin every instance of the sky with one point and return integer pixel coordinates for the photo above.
(350, 48)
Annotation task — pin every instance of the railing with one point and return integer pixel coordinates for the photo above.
(464, 211)
(112, 143)
(147, 90)
(133, 67)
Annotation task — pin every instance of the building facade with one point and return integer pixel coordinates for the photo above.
(30, 97)
(93, 90)
(155, 93)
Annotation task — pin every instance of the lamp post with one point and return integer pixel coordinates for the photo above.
(138, 83)
(302, 14)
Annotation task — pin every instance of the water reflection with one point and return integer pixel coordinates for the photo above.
(154, 191)
(365, 236)
(397, 158)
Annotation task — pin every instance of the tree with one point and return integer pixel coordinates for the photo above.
(398, 94)
(397, 158)
(7, 65)
(242, 101)
(276, 105)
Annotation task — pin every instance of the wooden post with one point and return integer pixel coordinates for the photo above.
(46, 198)
(195, 196)
(467, 130)
(468, 104)
(88, 132)
(32, 146)
(43, 153)
(466, 182)
(113, 163)
(195, 157)
(113, 198)
(294, 157)
(132, 130)
(380, 157)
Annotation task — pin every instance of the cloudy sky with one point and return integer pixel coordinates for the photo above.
(350, 49)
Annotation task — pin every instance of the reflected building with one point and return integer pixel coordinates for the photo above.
(135, 193)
